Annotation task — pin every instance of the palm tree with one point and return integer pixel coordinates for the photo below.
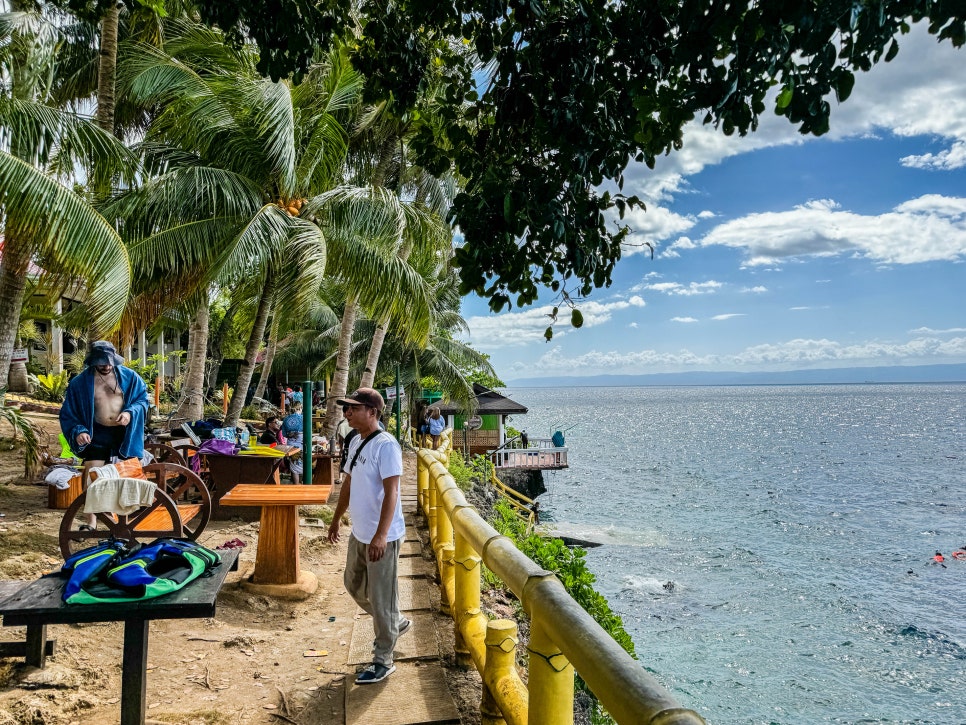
(246, 185)
(42, 220)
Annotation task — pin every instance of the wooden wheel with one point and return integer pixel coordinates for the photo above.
(189, 493)
(163, 453)
(164, 509)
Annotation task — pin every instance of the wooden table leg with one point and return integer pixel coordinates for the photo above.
(277, 556)
(134, 672)
(36, 652)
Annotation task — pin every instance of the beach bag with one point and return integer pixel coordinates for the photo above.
(120, 571)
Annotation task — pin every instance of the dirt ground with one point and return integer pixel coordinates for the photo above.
(246, 665)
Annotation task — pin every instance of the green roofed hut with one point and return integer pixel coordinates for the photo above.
(484, 433)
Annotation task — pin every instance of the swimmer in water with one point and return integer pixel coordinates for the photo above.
(939, 559)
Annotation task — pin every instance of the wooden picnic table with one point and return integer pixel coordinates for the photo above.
(40, 603)
(277, 555)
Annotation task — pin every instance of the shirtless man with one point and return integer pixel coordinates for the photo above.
(103, 412)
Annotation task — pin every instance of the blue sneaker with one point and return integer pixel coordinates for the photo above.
(374, 673)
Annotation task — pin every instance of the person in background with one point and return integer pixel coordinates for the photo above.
(437, 424)
(295, 396)
(370, 491)
(103, 412)
(272, 435)
(293, 422)
(524, 440)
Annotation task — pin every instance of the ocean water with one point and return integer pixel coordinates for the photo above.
(769, 547)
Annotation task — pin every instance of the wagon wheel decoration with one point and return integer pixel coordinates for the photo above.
(189, 493)
(73, 538)
(163, 453)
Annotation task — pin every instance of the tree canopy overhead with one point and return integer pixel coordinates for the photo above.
(572, 91)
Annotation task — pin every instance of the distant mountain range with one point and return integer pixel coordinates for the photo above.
(826, 376)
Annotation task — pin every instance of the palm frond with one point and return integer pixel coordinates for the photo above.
(71, 236)
(22, 426)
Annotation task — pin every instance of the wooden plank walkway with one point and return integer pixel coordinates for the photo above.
(416, 693)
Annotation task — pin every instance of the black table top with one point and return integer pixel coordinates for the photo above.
(39, 602)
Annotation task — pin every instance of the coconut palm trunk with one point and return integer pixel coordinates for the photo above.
(13, 282)
(340, 380)
(107, 68)
(269, 359)
(193, 405)
(247, 369)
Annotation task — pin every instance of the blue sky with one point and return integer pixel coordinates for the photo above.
(778, 251)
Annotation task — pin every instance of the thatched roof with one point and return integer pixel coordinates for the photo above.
(489, 402)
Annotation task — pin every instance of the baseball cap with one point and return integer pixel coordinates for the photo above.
(364, 396)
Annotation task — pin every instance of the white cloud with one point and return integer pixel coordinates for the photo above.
(755, 290)
(930, 331)
(676, 288)
(929, 228)
(727, 316)
(515, 329)
(790, 354)
(684, 319)
(952, 158)
(633, 325)
(654, 225)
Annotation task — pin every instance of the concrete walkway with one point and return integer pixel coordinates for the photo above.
(416, 693)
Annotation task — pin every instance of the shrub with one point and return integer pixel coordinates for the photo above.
(52, 387)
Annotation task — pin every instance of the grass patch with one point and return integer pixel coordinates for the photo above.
(325, 513)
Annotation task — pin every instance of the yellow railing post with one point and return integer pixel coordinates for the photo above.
(470, 620)
(444, 527)
(551, 680)
(447, 581)
(431, 513)
(422, 483)
(500, 675)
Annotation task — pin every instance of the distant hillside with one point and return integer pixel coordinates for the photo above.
(886, 374)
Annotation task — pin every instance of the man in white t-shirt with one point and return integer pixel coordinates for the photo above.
(370, 491)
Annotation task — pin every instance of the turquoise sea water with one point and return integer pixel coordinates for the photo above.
(796, 524)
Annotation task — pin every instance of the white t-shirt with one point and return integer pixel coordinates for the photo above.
(379, 460)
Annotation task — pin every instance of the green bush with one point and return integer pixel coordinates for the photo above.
(52, 387)
(462, 474)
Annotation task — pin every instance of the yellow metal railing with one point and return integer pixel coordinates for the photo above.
(523, 506)
(562, 635)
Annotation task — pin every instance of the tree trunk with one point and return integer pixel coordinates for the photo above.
(379, 337)
(251, 352)
(193, 390)
(107, 69)
(217, 342)
(13, 282)
(340, 381)
(269, 359)
(375, 349)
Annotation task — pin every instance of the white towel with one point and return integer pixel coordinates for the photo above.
(108, 471)
(118, 495)
(59, 477)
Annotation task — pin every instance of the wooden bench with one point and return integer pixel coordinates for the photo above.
(39, 603)
(181, 509)
(36, 648)
(277, 556)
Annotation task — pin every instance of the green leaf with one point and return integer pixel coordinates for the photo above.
(784, 98)
(576, 318)
(548, 334)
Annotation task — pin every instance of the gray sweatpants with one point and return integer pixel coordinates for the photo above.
(373, 585)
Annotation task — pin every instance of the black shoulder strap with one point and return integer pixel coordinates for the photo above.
(361, 446)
